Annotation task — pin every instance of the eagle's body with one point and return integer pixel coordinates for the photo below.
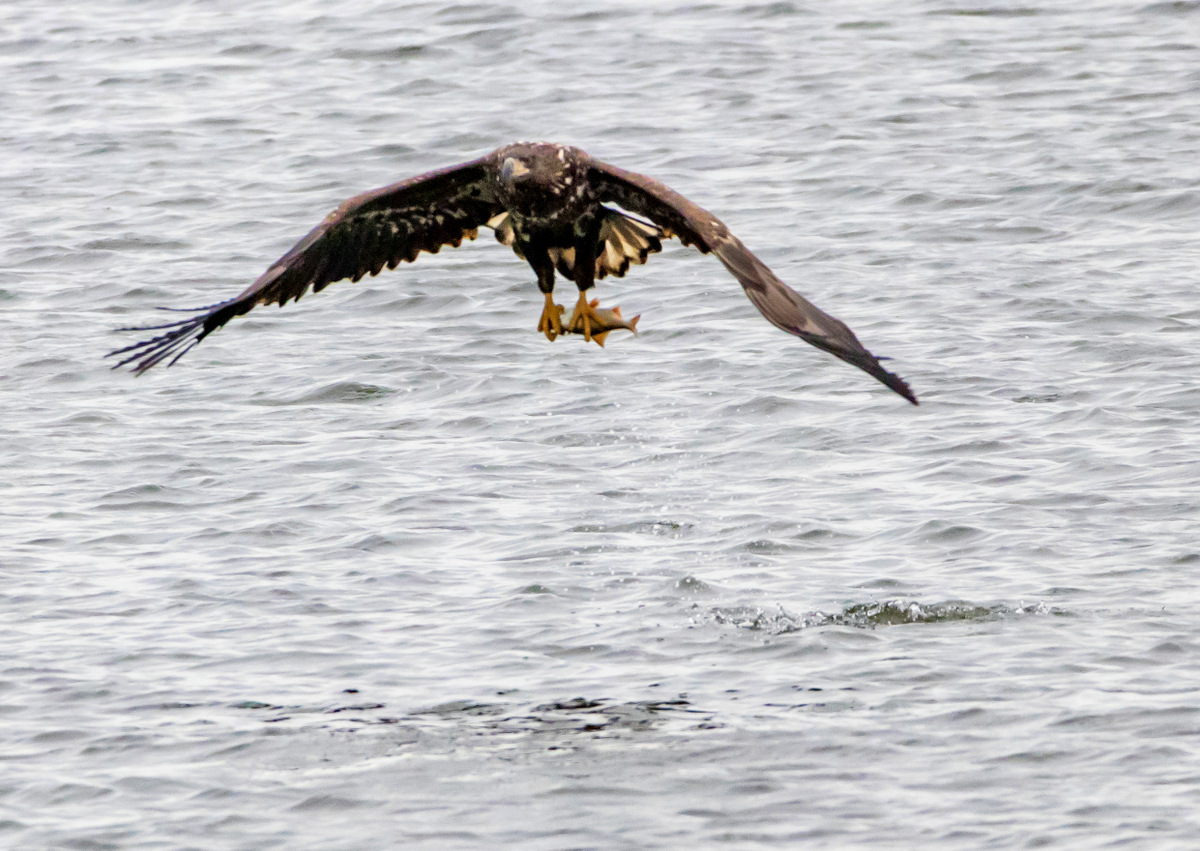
(556, 207)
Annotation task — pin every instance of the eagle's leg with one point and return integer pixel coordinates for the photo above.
(584, 318)
(550, 323)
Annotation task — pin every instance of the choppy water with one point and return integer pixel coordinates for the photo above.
(386, 569)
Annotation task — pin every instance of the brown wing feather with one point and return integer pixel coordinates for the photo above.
(780, 304)
(363, 235)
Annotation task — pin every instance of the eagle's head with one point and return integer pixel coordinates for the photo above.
(535, 169)
(512, 170)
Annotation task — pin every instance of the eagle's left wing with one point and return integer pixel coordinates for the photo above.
(780, 304)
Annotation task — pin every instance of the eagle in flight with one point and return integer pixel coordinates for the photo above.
(556, 207)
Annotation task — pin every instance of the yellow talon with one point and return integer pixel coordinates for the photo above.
(583, 317)
(551, 322)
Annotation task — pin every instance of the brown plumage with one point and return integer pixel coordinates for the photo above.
(551, 204)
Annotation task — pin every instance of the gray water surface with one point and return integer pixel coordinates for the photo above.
(387, 569)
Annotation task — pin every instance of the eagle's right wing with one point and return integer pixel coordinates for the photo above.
(364, 234)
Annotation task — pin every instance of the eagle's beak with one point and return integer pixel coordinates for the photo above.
(512, 169)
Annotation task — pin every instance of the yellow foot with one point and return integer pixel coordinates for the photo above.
(551, 322)
(584, 319)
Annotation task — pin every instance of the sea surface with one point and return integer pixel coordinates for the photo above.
(387, 569)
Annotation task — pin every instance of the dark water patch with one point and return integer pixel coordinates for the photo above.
(357, 707)
(990, 12)
(135, 241)
(578, 715)
(122, 743)
(940, 532)
(46, 363)
(570, 705)
(972, 448)
(1037, 757)
(85, 418)
(377, 542)
(571, 440)
(895, 612)
(1169, 206)
(390, 150)
(569, 555)
(557, 725)
(257, 49)
(339, 392)
(864, 25)
(692, 586)
(147, 497)
(577, 651)
(1168, 721)
(1010, 73)
(166, 706)
(255, 705)
(763, 546)
(390, 53)
(279, 530)
(537, 589)
(782, 9)
(869, 615)
(331, 803)
(593, 15)
(73, 793)
(1178, 7)
(455, 708)
(55, 736)
(587, 715)
(423, 87)
(656, 528)
(883, 583)
(57, 257)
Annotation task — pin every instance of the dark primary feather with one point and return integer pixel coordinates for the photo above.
(363, 235)
(780, 304)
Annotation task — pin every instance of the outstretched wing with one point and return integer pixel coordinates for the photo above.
(780, 304)
(364, 234)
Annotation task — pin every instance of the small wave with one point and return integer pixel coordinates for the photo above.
(337, 392)
(871, 615)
